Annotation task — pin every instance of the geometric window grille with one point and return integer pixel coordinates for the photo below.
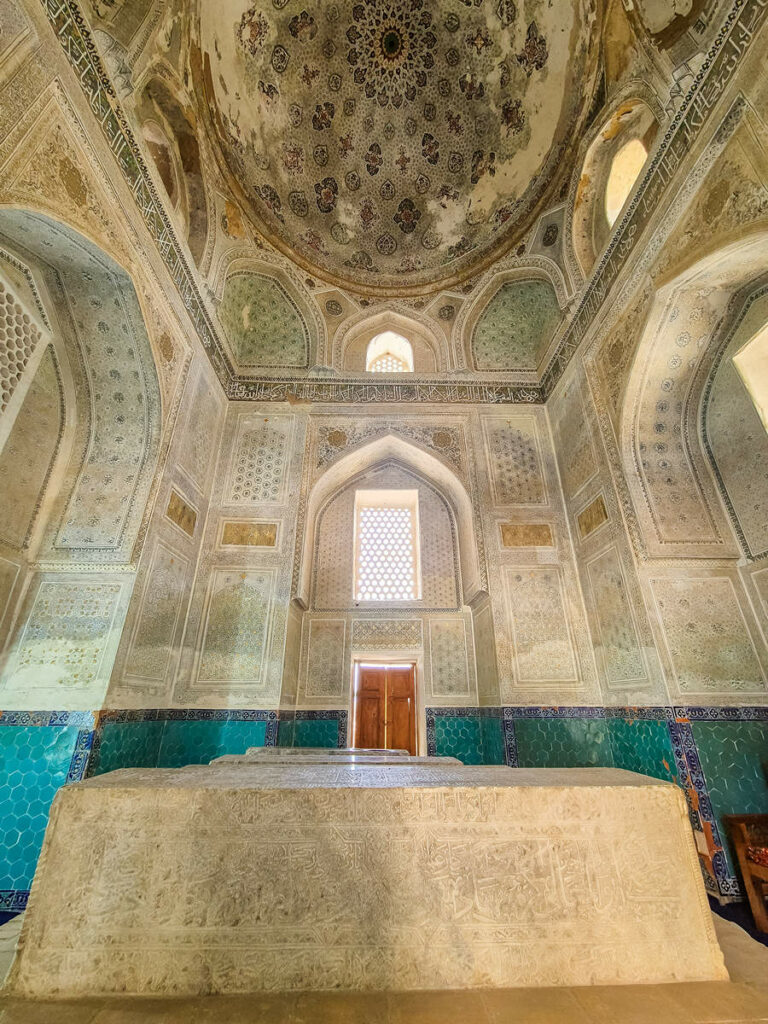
(388, 363)
(386, 546)
(389, 353)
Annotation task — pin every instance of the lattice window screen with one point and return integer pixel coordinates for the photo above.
(388, 363)
(386, 566)
(18, 338)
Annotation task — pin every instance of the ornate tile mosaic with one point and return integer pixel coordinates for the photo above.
(705, 629)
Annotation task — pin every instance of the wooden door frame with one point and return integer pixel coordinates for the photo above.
(386, 658)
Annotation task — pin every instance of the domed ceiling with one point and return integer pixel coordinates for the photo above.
(381, 138)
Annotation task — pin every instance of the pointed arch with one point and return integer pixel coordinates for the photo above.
(672, 476)
(430, 354)
(391, 448)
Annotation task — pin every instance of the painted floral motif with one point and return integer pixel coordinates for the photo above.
(534, 54)
(302, 26)
(513, 117)
(392, 49)
(323, 116)
(373, 158)
(326, 192)
(407, 216)
(252, 30)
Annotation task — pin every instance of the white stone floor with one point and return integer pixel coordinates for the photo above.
(742, 1001)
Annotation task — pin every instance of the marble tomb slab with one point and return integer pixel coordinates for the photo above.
(278, 872)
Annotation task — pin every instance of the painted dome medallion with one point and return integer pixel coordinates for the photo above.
(387, 138)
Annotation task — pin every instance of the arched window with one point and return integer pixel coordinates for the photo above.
(389, 353)
(625, 170)
(751, 361)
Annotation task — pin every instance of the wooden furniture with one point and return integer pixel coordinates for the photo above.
(749, 835)
(384, 707)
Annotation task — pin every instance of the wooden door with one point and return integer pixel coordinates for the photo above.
(385, 713)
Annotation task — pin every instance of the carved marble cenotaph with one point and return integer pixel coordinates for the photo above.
(289, 869)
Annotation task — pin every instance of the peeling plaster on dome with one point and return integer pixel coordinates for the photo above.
(377, 139)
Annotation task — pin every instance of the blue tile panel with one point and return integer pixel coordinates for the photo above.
(492, 738)
(717, 755)
(34, 762)
(316, 732)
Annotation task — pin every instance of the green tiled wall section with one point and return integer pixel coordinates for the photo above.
(492, 736)
(642, 745)
(459, 737)
(562, 743)
(315, 732)
(726, 760)
(127, 744)
(34, 762)
(200, 742)
(734, 760)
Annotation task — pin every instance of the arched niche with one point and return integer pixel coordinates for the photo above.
(413, 460)
(332, 586)
(631, 124)
(352, 340)
(268, 320)
(171, 142)
(735, 436)
(513, 321)
(98, 486)
(680, 503)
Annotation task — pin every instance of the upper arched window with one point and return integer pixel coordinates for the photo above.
(751, 361)
(389, 353)
(625, 170)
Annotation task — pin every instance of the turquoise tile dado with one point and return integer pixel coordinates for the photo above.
(562, 743)
(492, 735)
(190, 742)
(315, 732)
(734, 759)
(34, 762)
(460, 737)
(286, 732)
(642, 745)
(127, 745)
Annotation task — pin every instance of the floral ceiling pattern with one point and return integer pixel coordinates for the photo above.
(379, 138)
